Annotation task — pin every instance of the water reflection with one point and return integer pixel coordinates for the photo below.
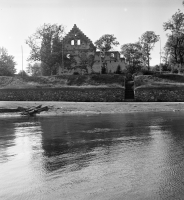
(76, 141)
(131, 156)
(6, 139)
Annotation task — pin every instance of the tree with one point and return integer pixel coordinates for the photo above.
(175, 39)
(175, 24)
(106, 42)
(86, 61)
(7, 63)
(165, 56)
(148, 40)
(35, 69)
(46, 46)
(133, 55)
(175, 48)
(91, 60)
(156, 68)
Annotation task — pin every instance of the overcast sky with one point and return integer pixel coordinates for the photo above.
(126, 19)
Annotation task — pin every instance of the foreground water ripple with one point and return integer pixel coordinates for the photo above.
(128, 156)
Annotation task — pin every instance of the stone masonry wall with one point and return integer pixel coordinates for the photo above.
(167, 94)
(64, 94)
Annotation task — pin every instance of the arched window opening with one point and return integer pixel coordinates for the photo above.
(78, 42)
(68, 56)
(72, 42)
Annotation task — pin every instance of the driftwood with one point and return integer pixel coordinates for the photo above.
(34, 110)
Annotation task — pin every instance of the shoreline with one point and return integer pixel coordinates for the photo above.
(78, 108)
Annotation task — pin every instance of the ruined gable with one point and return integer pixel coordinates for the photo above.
(78, 51)
(77, 40)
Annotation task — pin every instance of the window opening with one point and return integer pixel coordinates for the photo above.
(68, 56)
(72, 42)
(78, 42)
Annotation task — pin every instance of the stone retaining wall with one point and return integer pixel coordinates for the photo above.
(96, 94)
(167, 94)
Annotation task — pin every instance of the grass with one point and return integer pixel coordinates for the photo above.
(172, 77)
(159, 81)
(94, 80)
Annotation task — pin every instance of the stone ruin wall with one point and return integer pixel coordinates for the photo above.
(87, 49)
(110, 63)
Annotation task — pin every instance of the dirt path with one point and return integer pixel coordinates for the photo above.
(62, 108)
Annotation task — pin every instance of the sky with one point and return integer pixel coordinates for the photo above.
(126, 19)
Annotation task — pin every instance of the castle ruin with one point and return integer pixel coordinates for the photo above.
(80, 56)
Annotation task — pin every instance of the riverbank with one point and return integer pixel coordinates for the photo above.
(67, 108)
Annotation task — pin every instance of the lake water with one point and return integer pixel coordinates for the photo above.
(108, 157)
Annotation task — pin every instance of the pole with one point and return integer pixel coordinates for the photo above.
(102, 54)
(160, 56)
(100, 63)
(22, 58)
(62, 56)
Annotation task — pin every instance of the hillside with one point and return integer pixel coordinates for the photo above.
(104, 80)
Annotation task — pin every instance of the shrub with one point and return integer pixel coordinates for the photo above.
(148, 72)
(23, 74)
(76, 73)
(118, 70)
(104, 70)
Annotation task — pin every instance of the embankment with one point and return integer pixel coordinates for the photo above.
(160, 88)
(75, 94)
(166, 94)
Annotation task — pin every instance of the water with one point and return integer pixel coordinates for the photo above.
(128, 156)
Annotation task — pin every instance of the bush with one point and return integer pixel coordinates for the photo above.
(129, 77)
(133, 69)
(118, 71)
(148, 72)
(175, 71)
(76, 73)
(104, 70)
(23, 74)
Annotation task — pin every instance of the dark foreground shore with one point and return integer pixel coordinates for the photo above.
(65, 108)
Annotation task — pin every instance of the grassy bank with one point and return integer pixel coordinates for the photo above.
(159, 81)
(94, 80)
